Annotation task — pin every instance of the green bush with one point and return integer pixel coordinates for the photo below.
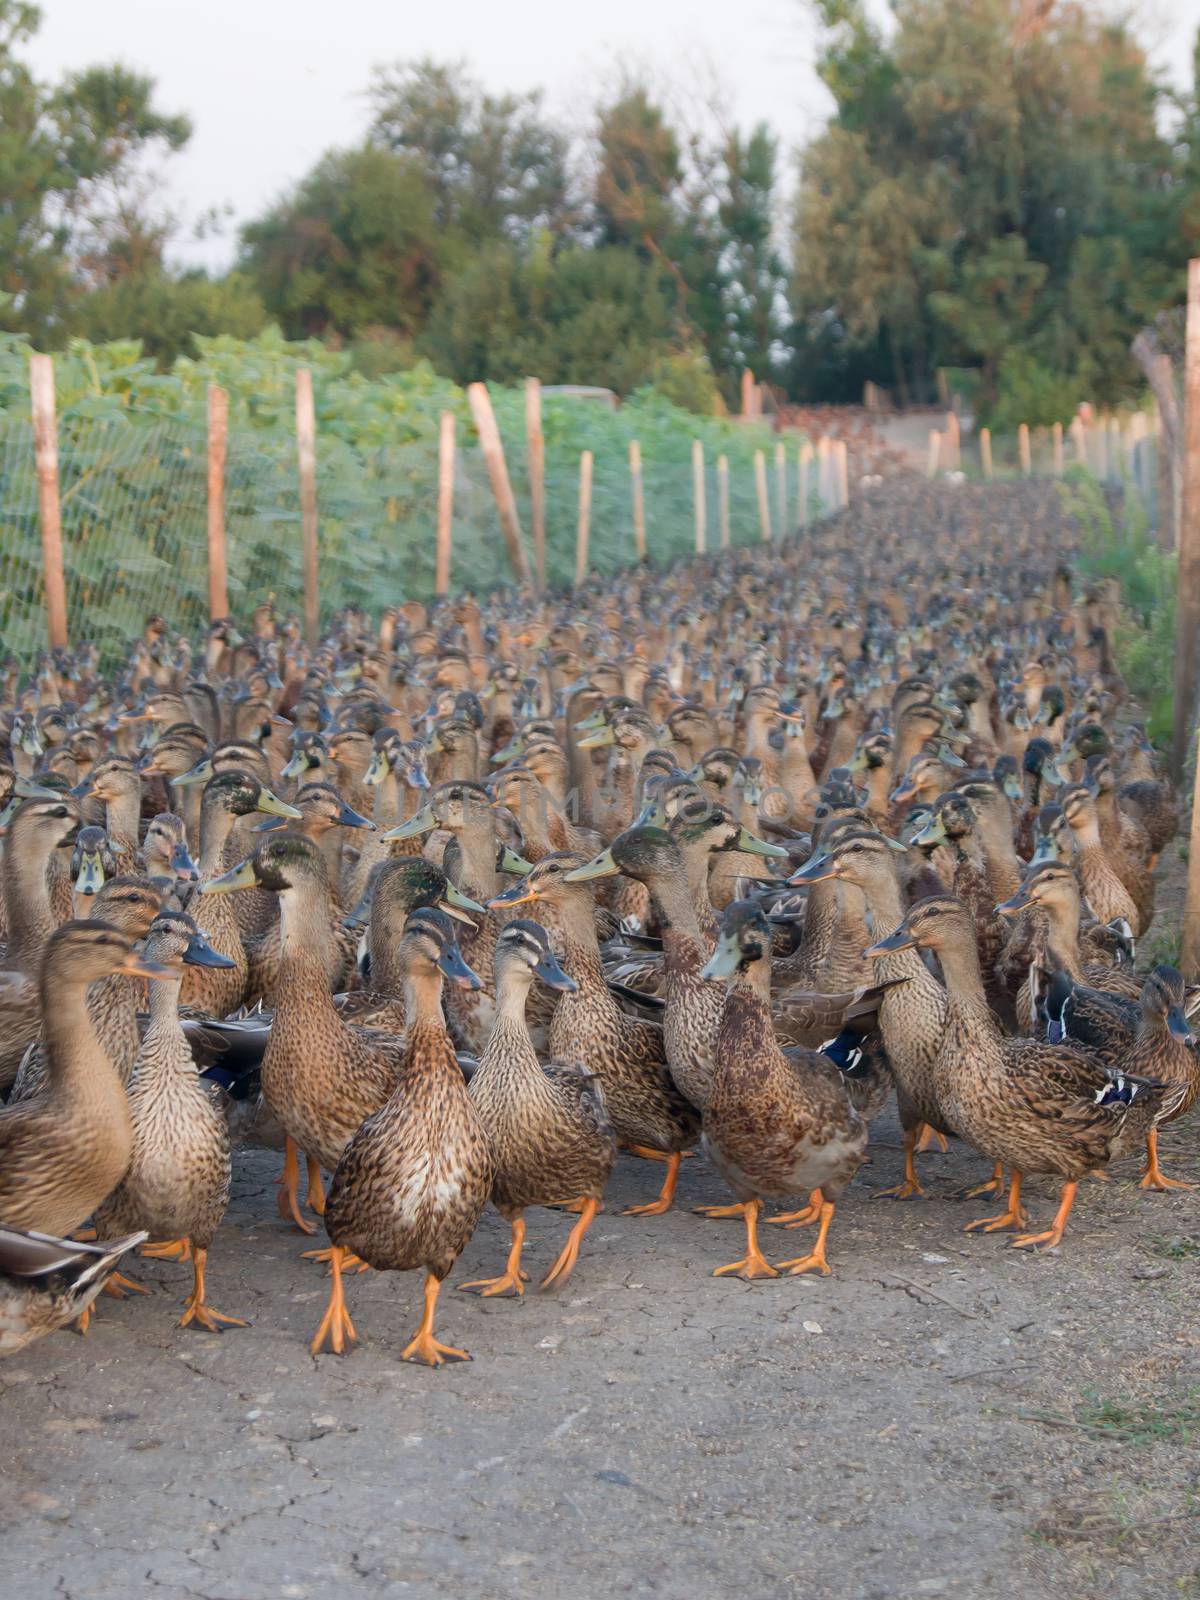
(1028, 391)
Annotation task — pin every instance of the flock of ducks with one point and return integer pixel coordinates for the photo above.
(465, 902)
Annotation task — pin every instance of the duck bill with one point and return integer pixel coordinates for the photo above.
(377, 770)
(653, 815)
(591, 724)
(510, 862)
(507, 753)
(754, 846)
(601, 866)
(199, 953)
(423, 821)
(27, 789)
(815, 870)
(200, 773)
(932, 833)
(900, 940)
(275, 807)
(349, 818)
(1044, 850)
(456, 904)
(91, 875)
(553, 976)
(82, 790)
(240, 877)
(271, 825)
(519, 895)
(723, 962)
(297, 765)
(1014, 905)
(456, 969)
(901, 793)
(136, 966)
(182, 864)
(1013, 789)
(1178, 1027)
(597, 740)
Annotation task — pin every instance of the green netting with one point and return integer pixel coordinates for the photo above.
(133, 495)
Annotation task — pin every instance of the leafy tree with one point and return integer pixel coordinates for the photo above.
(495, 167)
(356, 245)
(168, 311)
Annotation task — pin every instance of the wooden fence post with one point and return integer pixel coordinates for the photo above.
(803, 474)
(639, 500)
(824, 493)
(1189, 949)
(1187, 586)
(535, 444)
(951, 436)
(1078, 432)
(841, 473)
(935, 453)
(781, 493)
(985, 452)
(1056, 435)
(584, 528)
(764, 503)
(1023, 449)
(218, 443)
(445, 504)
(306, 455)
(699, 501)
(45, 454)
(493, 455)
(723, 499)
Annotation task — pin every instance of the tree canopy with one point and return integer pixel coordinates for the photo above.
(1004, 186)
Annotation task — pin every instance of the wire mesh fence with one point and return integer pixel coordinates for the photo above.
(133, 492)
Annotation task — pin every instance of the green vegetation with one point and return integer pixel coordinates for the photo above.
(1152, 1421)
(1117, 543)
(1003, 190)
(132, 465)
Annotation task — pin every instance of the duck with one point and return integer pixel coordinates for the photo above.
(1102, 888)
(1031, 1105)
(321, 1078)
(130, 905)
(651, 1117)
(64, 1150)
(547, 1124)
(1152, 1039)
(413, 1180)
(228, 795)
(47, 1283)
(774, 1126)
(166, 857)
(176, 1186)
(1125, 840)
(397, 888)
(35, 832)
(1148, 796)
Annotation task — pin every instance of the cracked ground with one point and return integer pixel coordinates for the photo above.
(937, 1418)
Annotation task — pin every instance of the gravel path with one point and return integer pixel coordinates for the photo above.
(649, 1431)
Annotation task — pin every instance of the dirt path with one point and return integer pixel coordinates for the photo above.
(651, 1431)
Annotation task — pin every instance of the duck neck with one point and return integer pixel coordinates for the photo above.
(304, 935)
(216, 825)
(423, 1004)
(76, 1063)
(122, 814)
(27, 903)
(961, 971)
(477, 872)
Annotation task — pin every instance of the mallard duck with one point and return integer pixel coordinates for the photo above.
(912, 1011)
(547, 1124)
(64, 1150)
(166, 857)
(1148, 796)
(36, 830)
(92, 862)
(117, 784)
(774, 1126)
(46, 1283)
(129, 905)
(1102, 888)
(1152, 1039)
(397, 889)
(1125, 840)
(320, 1077)
(1033, 1106)
(176, 1187)
(413, 1180)
(648, 1112)
(228, 795)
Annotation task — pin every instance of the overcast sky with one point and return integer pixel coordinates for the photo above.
(270, 84)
